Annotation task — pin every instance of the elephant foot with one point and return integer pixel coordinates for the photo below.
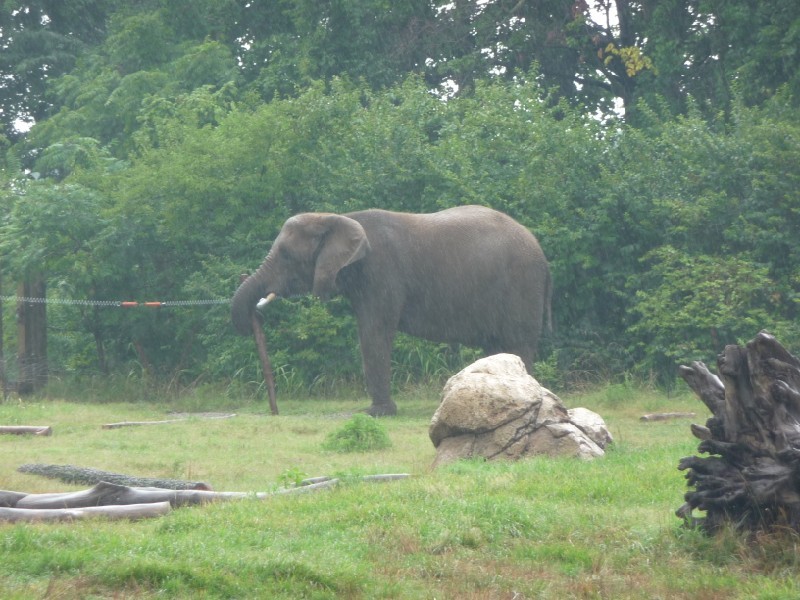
(382, 410)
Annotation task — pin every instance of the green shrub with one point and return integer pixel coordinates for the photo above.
(362, 433)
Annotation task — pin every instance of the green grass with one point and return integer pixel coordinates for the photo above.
(540, 528)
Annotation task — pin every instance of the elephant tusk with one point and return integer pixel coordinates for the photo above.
(264, 301)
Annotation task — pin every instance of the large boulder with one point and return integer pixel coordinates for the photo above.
(496, 410)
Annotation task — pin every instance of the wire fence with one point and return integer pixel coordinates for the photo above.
(114, 303)
(23, 374)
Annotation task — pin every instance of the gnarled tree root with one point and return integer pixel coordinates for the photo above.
(751, 476)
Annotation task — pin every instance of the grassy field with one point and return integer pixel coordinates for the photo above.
(540, 528)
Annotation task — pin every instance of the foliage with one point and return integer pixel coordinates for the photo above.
(361, 433)
(291, 477)
(689, 307)
(172, 140)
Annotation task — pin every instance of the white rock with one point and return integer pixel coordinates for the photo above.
(493, 408)
(592, 425)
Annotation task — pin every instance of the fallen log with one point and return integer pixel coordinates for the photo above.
(130, 511)
(17, 506)
(366, 478)
(163, 421)
(751, 476)
(667, 416)
(89, 476)
(10, 499)
(108, 494)
(43, 430)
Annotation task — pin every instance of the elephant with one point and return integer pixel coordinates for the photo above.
(470, 275)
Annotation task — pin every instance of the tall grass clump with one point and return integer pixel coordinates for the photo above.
(361, 433)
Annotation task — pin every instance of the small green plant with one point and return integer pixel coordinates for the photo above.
(361, 433)
(291, 477)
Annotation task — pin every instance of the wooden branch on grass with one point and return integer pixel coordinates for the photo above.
(43, 430)
(165, 421)
(130, 512)
(751, 478)
(667, 416)
(10, 499)
(110, 500)
(110, 494)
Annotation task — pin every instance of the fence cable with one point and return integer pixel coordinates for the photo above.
(113, 303)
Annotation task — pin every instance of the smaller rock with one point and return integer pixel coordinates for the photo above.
(592, 425)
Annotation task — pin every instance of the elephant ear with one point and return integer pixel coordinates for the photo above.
(344, 243)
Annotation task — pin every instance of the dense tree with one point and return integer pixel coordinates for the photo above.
(603, 53)
(40, 40)
(173, 138)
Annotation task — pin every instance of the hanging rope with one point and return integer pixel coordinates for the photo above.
(113, 303)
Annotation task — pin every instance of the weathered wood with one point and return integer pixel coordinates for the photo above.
(10, 499)
(324, 483)
(667, 416)
(109, 500)
(110, 494)
(42, 430)
(266, 365)
(107, 494)
(129, 511)
(366, 478)
(89, 476)
(261, 346)
(165, 421)
(700, 432)
(751, 476)
(385, 477)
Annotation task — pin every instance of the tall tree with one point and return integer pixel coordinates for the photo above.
(40, 40)
(286, 43)
(604, 53)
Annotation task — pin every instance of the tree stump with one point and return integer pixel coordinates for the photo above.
(751, 478)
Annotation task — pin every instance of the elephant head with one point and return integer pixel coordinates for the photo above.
(307, 255)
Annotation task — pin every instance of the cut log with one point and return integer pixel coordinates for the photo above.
(164, 421)
(130, 511)
(89, 476)
(107, 494)
(26, 430)
(751, 476)
(110, 500)
(110, 494)
(10, 499)
(667, 416)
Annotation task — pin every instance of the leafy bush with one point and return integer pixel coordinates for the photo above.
(361, 433)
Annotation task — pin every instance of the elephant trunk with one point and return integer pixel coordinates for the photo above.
(245, 299)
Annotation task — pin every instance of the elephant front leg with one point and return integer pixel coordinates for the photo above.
(376, 355)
